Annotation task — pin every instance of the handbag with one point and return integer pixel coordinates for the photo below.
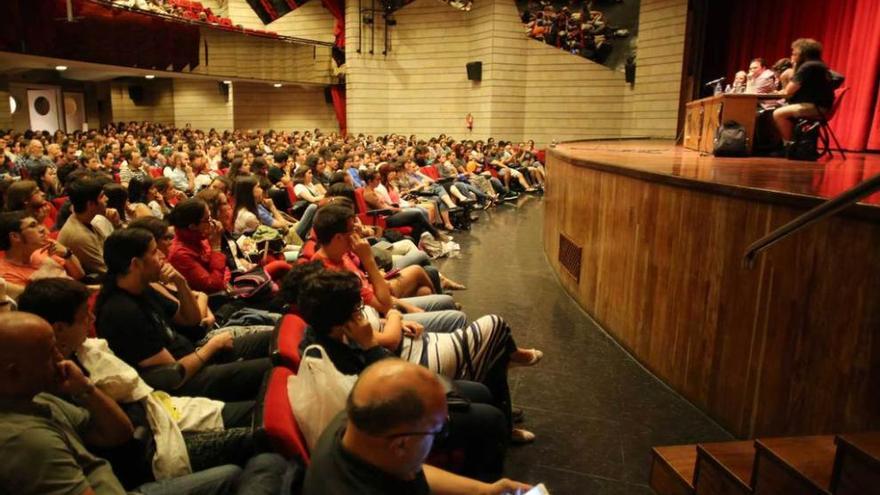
(730, 139)
(804, 145)
(317, 393)
(252, 284)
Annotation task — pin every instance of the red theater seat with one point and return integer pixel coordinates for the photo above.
(373, 217)
(289, 333)
(278, 421)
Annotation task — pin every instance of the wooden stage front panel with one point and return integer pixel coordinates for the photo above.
(790, 347)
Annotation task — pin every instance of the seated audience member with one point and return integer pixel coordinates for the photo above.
(26, 195)
(761, 79)
(46, 177)
(304, 188)
(180, 172)
(117, 200)
(133, 167)
(44, 440)
(197, 248)
(394, 414)
(809, 94)
(33, 156)
(739, 83)
(221, 210)
(414, 218)
(139, 321)
(145, 199)
(87, 243)
(253, 208)
(342, 249)
(480, 352)
(29, 253)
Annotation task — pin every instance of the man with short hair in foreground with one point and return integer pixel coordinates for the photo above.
(394, 412)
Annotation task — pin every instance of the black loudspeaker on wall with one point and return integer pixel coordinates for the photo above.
(136, 93)
(630, 70)
(224, 90)
(475, 71)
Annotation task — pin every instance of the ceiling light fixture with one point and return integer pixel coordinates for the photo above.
(277, 85)
(150, 76)
(227, 82)
(61, 68)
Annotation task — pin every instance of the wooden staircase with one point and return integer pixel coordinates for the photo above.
(815, 465)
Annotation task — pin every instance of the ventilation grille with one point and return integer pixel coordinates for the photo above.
(570, 257)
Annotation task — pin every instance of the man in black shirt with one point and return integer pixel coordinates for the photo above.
(138, 318)
(394, 412)
(809, 93)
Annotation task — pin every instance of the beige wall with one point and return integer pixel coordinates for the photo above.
(260, 106)
(202, 105)
(529, 90)
(157, 104)
(311, 21)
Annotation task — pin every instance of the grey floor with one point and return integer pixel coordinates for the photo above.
(595, 411)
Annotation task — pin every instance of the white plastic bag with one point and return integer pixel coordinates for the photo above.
(317, 393)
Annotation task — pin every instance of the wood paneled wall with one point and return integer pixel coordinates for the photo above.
(311, 21)
(258, 106)
(157, 105)
(790, 347)
(202, 104)
(5, 116)
(529, 90)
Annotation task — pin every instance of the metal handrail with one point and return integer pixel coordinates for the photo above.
(824, 210)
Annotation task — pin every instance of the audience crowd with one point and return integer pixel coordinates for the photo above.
(143, 272)
(574, 26)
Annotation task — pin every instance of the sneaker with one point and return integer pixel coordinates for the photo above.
(511, 196)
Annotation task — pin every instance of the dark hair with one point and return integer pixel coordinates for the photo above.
(19, 193)
(116, 198)
(163, 184)
(368, 175)
(760, 60)
(123, 246)
(810, 49)
(243, 192)
(331, 220)
(82, 191)
(155, 226)
(378, 416)
(328, 298)
(295, 280)
(38, 173)
(10, 221)
(188, 212)
(342, 190)
(211, 197)
(53, 299)
(782, 65)
(237, 163)
(138, 187)
(337, 177)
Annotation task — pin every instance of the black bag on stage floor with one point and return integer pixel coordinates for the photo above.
(730, 139)
(804, 145)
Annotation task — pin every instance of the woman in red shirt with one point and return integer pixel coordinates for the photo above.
(196, 249)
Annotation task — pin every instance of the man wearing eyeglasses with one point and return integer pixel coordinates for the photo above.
(394, 412)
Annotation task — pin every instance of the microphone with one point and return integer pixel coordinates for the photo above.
(716, 81)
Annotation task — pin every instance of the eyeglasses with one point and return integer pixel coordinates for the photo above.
(441, 434)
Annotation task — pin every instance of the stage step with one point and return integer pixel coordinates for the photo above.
(672, 469)
(857, 465)
(796, 465)
(724, 468)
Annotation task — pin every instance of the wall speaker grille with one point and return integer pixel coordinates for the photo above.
(570, 257)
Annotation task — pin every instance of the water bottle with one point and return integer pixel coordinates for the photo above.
(719, 89)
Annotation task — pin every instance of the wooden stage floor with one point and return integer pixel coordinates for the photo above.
(759, 177)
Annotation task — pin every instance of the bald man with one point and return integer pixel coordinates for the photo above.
(43, 439)
(394, 412)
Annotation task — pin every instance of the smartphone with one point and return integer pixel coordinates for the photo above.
(538, 489)
(392, 274)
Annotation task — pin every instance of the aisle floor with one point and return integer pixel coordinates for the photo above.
(596, 412)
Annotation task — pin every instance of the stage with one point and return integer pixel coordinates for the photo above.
(759, 178)
(649, 238)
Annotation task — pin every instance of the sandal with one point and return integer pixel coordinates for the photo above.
(519, 436)
(451, 284)
(534, 356)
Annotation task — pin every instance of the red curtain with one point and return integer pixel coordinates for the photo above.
(849, 29)
(337, 9)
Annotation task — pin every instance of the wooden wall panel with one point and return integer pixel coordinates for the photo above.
(787, 348)
(202, 104)
(5, 115)
(157, 106)
(259, 106)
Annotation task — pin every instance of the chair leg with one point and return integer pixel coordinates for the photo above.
(825, 142)
(836, 142)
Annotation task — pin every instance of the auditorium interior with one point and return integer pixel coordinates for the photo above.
(636, 243)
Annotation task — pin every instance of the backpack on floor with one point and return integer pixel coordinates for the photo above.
(804, 145)
(730, 140)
